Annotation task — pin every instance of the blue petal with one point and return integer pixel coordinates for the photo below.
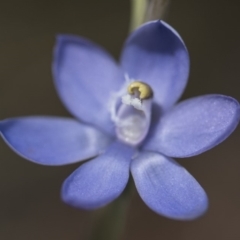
(194, 126)
(156, 54)
(99, 181)
(85, 77)
(167, 188)
(52, 140)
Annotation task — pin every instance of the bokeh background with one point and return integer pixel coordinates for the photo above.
(30, 207)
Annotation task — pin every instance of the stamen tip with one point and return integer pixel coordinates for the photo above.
(144, 89)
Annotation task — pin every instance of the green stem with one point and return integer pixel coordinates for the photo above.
(110, 221)
(147, 10)
(138, 9)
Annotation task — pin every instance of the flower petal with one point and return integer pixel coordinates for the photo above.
(156, 54)
(167, 188)
(52, 140)
(85, 77)
(194, 126)
(99, 181)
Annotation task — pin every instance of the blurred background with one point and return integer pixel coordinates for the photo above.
(30, 206)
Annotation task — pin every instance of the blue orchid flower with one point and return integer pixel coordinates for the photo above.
(128, 122)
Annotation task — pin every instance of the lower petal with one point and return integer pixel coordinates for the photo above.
(52, 140)
(99, 181)
(167, 188)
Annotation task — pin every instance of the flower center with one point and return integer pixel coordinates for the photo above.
(134, 113)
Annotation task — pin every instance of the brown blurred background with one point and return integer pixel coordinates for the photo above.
(30, 207)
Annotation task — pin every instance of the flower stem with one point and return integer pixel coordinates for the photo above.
(147, 10)
(110, 221)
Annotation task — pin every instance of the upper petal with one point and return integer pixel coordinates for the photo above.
(194, 126)
(85, 76)
(99, 181)
(167, 188)
(156, 54)
(52, 140)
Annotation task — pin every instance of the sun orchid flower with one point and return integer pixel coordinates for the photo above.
(126, 119)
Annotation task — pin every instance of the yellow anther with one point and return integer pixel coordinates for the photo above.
(144, 89)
